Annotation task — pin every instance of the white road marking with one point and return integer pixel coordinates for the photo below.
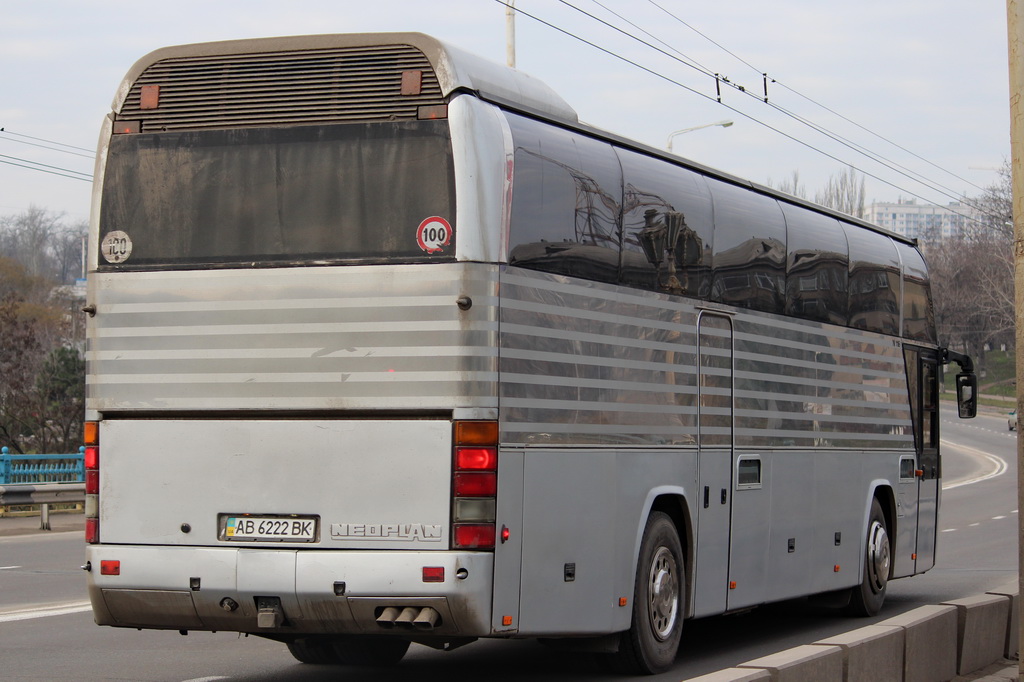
(996, 518)
(998, 466)
(8, 568)
(45, 611)
(212, 678)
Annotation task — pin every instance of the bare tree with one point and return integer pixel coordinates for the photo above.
(43, 243)
(972, 274)
(843, 192)
(67, 247)
(790, 185)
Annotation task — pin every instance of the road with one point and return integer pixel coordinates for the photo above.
(47, 634)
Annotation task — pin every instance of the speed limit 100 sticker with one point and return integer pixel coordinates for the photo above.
(116, 247)
(434, 234)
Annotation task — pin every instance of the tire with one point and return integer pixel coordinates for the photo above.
(659, 599)
(315, 650)
(367, 650)
(866, 599)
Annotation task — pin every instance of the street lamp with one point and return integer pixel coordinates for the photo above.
(724, 124)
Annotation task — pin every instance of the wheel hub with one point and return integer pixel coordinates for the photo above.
(878, 557)
(663, 605)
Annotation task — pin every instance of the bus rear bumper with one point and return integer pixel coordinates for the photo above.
(287, 592)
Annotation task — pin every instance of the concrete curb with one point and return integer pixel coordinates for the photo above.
(928, 644)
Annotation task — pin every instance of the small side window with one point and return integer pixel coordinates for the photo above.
(748, 473)
(907, 469)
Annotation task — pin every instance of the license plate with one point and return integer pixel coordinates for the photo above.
(251, 528)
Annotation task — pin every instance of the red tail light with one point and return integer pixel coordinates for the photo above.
(474, 536)
(476, 458)
(474, 484)
(92, 482)
(92, 531)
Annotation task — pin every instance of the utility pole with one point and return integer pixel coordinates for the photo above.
(1015, 34)
(510, 33)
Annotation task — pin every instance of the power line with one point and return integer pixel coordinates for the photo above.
(43, 146)
(39, 139)
(811, 100)
(43, 168)
(877, 158)
(718, 78)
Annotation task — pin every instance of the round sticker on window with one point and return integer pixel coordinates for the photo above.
(116, 247)
(434, 234)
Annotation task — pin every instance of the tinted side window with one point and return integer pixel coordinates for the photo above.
(874, 281)
(817, 267)
(749, 249)
(665, 189)
(566, 196)
(918, 313)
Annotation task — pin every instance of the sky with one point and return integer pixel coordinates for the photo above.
(912, 93)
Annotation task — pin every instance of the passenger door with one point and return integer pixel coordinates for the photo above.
(928, 460)
(918, 494)
(714, 478)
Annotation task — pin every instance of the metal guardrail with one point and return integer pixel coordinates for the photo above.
(68, 468)
(41, 493)
(42, 480)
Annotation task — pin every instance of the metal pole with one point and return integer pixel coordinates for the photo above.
(1015, 33)
(44, 517)
(510, 33)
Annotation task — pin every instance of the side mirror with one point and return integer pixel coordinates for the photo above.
(967, 395)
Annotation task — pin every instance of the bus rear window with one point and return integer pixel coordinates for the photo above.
(373, 192)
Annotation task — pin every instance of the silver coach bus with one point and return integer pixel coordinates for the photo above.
(385, 347)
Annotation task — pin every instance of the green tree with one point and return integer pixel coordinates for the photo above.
(61, 391)
(20, 358)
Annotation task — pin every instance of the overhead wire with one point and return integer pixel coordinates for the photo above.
(738, 112)
(45, 168)
(873, 156)
(39, 139)
(43, 146)
(893, 165)
(810, 99)
(50, 145)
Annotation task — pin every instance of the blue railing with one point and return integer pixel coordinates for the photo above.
(41, 468)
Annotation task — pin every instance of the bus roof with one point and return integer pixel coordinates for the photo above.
(455, 68)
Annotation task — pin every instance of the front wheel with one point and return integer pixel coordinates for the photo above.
(866, 598)
(659, 598)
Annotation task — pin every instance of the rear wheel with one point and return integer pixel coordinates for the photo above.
(866, 599)
(651, 643)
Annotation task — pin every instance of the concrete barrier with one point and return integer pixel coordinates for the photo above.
(927, 644)
(802, 663)
(981, 630)
(1012, 592)
(930, 643)
(734, 675)
(873, 652)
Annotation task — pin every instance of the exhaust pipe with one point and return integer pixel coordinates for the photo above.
(427, 619)
(407, 616)
(387, 617)
(420, 617)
